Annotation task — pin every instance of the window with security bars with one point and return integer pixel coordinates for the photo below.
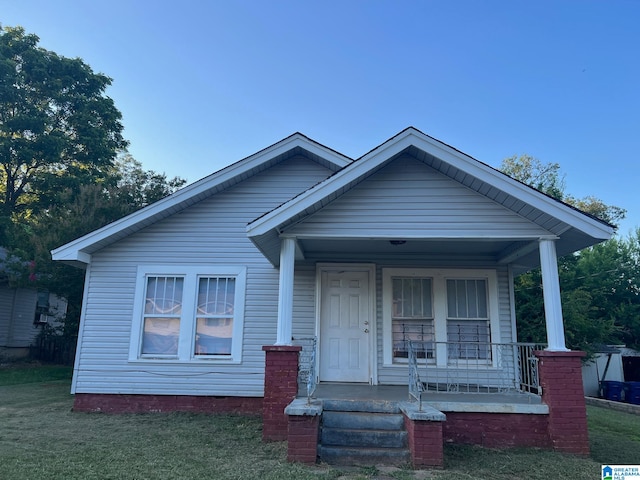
(412, 316)
(468, 328)
(188, 313)
(214, 316)
(162, 315)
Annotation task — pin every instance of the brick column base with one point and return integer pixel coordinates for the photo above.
(303, 439)
(425, 442)
(280, 388)
(561, 381)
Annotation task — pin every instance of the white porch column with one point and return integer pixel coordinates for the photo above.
(551, 295)
(285, 295)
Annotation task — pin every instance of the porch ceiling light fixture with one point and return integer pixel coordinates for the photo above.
(397, 242)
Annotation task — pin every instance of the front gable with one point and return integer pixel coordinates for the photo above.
(410, 200)
(499, 217)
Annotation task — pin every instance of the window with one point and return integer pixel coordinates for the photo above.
(188, 314)
(468, 329)
(439, 307)
(412, 314)
(214, 319)
(162, 314)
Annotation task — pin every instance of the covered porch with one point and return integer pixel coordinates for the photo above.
(436, 385)
(417, 242)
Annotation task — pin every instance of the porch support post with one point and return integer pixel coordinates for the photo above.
(551, 295)
(285, 296)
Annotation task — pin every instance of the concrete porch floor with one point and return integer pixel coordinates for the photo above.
(509, 402)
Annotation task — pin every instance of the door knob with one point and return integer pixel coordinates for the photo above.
(366, 330)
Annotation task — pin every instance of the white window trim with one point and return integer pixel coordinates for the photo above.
(191, 275)
(439, 278)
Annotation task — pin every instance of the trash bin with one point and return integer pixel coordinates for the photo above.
(632, 392)
(612, 390)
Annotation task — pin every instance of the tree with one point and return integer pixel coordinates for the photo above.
(541, 176)
(600, 286)
(55, 122)
(127, 188)
(137, 187)
(546, 177)
(63, 168)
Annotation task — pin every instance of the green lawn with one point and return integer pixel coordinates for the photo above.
(41, 438)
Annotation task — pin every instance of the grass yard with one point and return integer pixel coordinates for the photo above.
(41, 438)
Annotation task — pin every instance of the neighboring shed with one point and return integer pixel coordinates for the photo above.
(630, 364)
(605, 366)
(612, 363)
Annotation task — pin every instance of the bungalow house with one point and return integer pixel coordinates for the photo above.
(392, 272)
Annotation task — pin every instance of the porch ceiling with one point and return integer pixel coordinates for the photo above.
(363, 249)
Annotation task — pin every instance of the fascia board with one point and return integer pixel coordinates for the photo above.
(334, 157)
(72, 251)
(340, 179)
(512, 187)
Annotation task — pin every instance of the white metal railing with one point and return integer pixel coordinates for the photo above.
(307, 365)
(472, 367)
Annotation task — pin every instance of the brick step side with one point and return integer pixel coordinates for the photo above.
(363, 455)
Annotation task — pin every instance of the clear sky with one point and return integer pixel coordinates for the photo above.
(202, 84)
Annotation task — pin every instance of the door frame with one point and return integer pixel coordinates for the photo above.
(369, 268)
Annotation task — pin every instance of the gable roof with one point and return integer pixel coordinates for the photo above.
(574, 229)
(79, 251)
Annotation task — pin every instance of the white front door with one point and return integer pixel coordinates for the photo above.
(345, 326)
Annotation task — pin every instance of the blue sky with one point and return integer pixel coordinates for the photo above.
(202, 84)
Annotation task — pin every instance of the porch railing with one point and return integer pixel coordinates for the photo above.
(472, 367)
(307, 365)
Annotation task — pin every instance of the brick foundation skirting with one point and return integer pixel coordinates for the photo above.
(497, 430)
(124, 403)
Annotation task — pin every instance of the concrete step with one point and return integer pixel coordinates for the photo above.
(363, 438)
(363, 455)
(362, 433)
(372, 406)
(362, 420)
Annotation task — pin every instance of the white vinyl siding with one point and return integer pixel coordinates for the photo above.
(409, 199)
(211, 232)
